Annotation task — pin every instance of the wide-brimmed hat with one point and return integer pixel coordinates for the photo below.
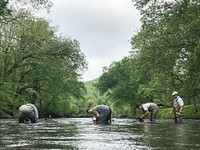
(174, 93)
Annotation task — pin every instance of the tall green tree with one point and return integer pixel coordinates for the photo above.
(39, 67)
(168, 44)
(165, 56)
(120, 85)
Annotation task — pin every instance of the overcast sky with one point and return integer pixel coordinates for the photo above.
(103, 27)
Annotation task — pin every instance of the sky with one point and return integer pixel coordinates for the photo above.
(103, 28)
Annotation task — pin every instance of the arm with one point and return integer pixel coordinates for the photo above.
(36, 112)
(181, 109)
(97, 116)
(179, 113)
(181, 104)
(145, 113)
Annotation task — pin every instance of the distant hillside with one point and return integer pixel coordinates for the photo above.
(93, 96)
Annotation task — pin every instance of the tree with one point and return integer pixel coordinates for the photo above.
(120, 85)
(168, 44)
(37, 66)
(4, 11)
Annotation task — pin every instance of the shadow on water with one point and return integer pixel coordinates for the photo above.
(80, 133)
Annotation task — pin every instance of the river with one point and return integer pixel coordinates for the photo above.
(82, 134)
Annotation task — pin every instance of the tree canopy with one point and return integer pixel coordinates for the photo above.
(38, 66)
(165, 56)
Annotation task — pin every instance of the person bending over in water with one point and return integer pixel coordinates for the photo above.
(28, 112)
(148, 108)
(102, 114)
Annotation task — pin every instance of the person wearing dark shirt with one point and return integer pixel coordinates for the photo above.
(102, 114)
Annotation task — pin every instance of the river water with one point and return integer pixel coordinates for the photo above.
(82, 134)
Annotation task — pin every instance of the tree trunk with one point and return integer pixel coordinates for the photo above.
(34, 98)
(194, 102)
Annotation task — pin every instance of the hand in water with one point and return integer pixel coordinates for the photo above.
(140, 119)
(94, 119)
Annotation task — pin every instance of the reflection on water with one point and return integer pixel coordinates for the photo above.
(80, 133)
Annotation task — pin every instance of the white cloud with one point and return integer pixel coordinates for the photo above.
(103, 27)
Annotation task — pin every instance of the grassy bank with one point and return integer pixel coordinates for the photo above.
(189, 112)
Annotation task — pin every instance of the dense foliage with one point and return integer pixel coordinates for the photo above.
(36, 65)
(40, 67)
(165, 57)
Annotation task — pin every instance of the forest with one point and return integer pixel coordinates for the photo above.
(38, 66)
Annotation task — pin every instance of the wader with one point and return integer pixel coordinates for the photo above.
(177, 115)
(154, 113)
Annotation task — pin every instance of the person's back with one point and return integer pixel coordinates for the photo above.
(150, 106)
(101, 108)
(102, 114)
(28, 112)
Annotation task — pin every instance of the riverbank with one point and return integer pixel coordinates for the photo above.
(189, 112)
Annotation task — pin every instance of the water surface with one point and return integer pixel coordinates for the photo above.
(80, 133)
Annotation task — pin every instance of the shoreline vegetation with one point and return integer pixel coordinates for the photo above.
(189, 112)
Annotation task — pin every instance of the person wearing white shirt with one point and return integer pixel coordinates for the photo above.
(102, 114)
(28, 112)
(178, 105)
(148, 108)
